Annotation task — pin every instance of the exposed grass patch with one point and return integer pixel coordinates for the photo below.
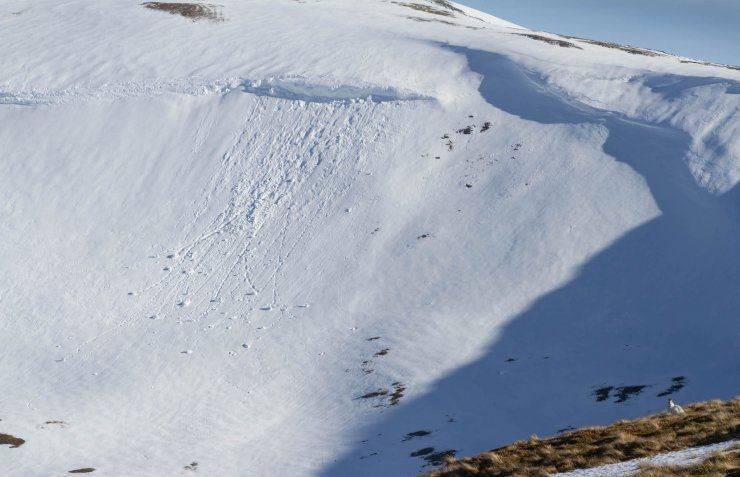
(84, 470)
(551, 41)
(447, 5)
(194, 11)
(12, 441)
(704, 423)
(397, 394)
(374, 394)
(420, 7)
(677, 384)
(432, 20)
(439, 20)
(440, 8)
(722, 463)
(626, 392)
(412, 435)
(709, 63)
(633, 50)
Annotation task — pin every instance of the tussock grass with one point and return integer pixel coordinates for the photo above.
(704, 423)
(725, 463)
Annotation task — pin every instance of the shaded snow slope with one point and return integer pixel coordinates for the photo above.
(285, 242)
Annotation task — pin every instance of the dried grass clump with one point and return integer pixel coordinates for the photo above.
(725, 463)
(12, 441)
(704, 423)
(194, 11)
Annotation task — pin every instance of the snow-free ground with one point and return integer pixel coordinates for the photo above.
(216, 237)
(681, 458)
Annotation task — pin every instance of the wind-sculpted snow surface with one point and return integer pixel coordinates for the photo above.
(378, 242)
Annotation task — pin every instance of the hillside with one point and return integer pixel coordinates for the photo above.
(708, 425)
(318, 237)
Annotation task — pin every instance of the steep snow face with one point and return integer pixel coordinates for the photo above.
(346, 238)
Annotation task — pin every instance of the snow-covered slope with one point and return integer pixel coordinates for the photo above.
(219, 235)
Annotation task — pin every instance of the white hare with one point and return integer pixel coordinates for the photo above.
(674, 408)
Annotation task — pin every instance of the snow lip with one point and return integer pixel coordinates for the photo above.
(295, 88)
(301, 89)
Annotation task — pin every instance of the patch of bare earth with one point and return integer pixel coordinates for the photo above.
(193, 11)
(84, 470)
(725, 463)
(704, 423)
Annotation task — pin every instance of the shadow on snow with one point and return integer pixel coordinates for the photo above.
(662, 301)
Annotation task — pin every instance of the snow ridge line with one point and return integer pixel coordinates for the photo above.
(289, 88)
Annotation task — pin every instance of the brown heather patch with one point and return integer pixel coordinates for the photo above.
(704, 423)
(724, 463)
